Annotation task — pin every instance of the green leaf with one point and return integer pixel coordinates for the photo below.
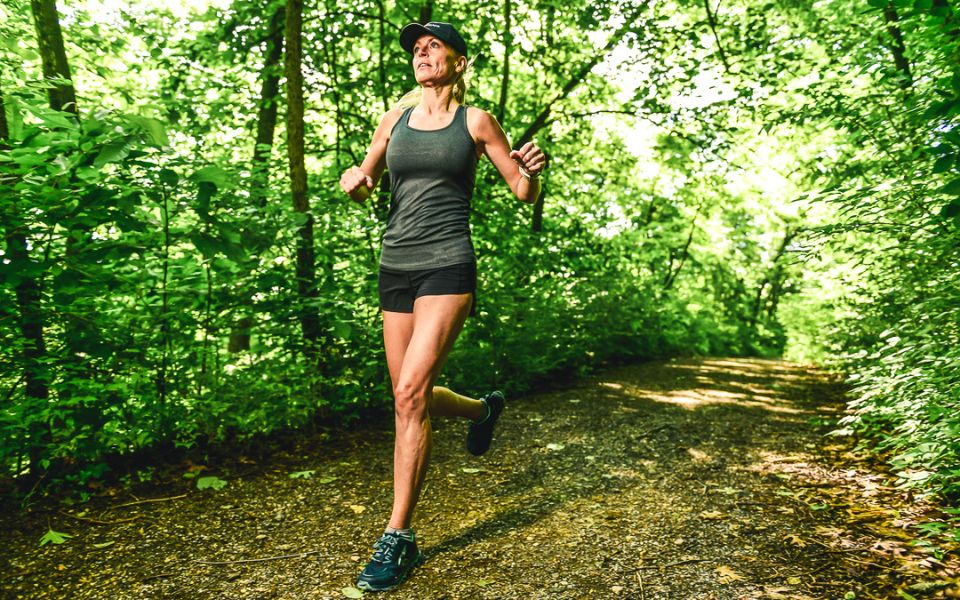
(212, 174)
(54, 537)
(169, 177)
(471, 470)
(302, 474)
(155, 129)
(951, 188)
(951, 210)
(351, 592)
(104, 544)
(113, 152)
(211, 482)
(342, 330)
(205, 192)
(328, 479)
(944, 163)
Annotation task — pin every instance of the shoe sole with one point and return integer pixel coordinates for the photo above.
(367, 587)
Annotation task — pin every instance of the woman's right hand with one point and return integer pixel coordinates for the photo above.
(353, 180)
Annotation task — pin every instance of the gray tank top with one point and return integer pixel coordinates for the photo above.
(432, 175)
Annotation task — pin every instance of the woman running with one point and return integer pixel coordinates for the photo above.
(430, 143)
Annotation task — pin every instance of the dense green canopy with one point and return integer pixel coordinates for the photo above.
(745, 177)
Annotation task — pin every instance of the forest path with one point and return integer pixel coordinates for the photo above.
(686, 479)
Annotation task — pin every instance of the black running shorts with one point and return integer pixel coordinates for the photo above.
(398, 289)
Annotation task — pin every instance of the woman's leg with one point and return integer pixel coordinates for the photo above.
(437, 320)
(447, 403)
(397, 330)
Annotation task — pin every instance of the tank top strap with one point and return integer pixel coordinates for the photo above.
(404, 117)
(461, 116)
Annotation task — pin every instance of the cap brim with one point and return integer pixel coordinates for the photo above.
(410, 34)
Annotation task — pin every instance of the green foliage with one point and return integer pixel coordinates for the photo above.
(889, 250)
(211, 482)
(54, 537)
(794, 195)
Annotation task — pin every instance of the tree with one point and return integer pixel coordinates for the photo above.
(305, 269)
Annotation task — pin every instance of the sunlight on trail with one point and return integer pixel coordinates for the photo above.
(696, 398)
(721, 382)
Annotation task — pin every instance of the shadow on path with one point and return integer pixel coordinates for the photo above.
(682, 479)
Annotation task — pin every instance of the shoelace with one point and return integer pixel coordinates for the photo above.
(385, 547)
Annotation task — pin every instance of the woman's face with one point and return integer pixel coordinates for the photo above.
(435, 63)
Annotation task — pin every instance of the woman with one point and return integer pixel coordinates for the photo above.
(431, 143)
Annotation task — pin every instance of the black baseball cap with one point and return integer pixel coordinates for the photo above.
(444, 31)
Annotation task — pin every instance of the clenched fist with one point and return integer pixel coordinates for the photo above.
(530, 158)
(353, 181)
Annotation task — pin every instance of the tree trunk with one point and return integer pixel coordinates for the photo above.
(381, 64)
(507, 48)
(52, 55)
(30, 322)
(672, 273)
(267, 109)
(306, 269)
(62, 97)
(536, 225)
(772, 279)
(266, 127)
(426, 12)
(898, 48)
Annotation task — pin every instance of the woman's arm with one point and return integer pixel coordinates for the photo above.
(359, 182)
(492, 141)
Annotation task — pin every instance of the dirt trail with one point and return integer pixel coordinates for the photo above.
(687, 479)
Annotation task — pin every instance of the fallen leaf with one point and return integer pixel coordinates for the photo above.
(796, 540)
(351, 592)
(357, 509)
(54, 537)
(727, 575)
(712, 515)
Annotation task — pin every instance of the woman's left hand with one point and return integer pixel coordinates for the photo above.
(530, 158)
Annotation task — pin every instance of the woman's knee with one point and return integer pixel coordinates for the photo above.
(411, 400)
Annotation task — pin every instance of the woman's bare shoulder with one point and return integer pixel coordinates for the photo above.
(481, 123)
(388, 120)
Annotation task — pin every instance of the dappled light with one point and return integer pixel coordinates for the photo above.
(708, 250)
(590, 491)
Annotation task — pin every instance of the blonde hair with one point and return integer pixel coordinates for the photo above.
(412, 98)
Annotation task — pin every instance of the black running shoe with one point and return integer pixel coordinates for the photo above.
(480, 434)
(393, 558)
